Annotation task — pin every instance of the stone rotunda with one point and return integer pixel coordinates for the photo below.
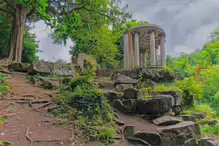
(142, 42)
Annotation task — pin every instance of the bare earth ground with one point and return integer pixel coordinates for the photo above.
(28, 122)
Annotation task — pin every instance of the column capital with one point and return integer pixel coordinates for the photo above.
(136, 32)
(151, 30)
(162, 35)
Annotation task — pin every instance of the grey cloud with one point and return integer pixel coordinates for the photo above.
(187, 23)
(51, 52)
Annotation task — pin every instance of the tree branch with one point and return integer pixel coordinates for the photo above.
(32, 11)
(53, 11)
(98, 13)
(3, 10)
(11, 5)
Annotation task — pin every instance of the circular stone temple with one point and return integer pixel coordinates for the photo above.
(142, 43)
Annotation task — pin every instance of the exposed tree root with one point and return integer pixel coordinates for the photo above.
(8, 115)
(6, 105)
(43, 106)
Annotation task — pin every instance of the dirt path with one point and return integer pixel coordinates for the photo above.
(27, 120)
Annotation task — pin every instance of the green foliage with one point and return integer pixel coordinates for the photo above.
(4, 87)
(203, 66)
(145, 92)
(197, 108)
(207, 130)
(191, 90)
(166, 87)
(5, 143)
(188, 87)
(29, 44)
(30, 48)
(91, 33)
(82, 102)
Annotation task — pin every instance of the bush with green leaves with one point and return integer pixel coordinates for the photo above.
(4, 87)
(189, 88)
(207, 130)
(82, 102)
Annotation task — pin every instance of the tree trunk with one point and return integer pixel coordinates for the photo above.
(17, 33)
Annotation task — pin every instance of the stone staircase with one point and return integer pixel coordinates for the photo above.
(154, 121)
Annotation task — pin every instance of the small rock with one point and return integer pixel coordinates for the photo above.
(134, 73)
(19, 67)
(176, 95)
(129, 131)
(209, 122)
(122, 79)
(125, 106)
(118, 136)
(188, 118)
(119, 122)
(177, 110)
(40, 67)
(166, 121)
(206, 142)
(117, 104)
(130, 105)
(112, 95)
(179, 134)
(131, 93)
(191, 142)
(122, 87)
(136, 142)
(199, 115)
(151, 138)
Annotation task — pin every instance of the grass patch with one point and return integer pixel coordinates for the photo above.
(166, 87)
(198, 108)
(207, 130)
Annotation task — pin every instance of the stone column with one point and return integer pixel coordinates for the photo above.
(162, 51)
(130, 46)
(152, 49)
(158, 56)
(136, 49)
(126, 52)
(143, 59)
(140, 59)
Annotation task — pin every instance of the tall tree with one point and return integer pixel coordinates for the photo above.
(51, 11)
(95, 33)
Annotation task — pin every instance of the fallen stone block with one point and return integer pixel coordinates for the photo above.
(179, 134)
(167, 120)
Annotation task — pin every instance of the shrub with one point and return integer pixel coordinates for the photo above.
(82, 102)
(4, 87)
(210, 130)
(188, 87)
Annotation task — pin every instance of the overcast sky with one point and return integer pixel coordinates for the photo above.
(187, 23)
